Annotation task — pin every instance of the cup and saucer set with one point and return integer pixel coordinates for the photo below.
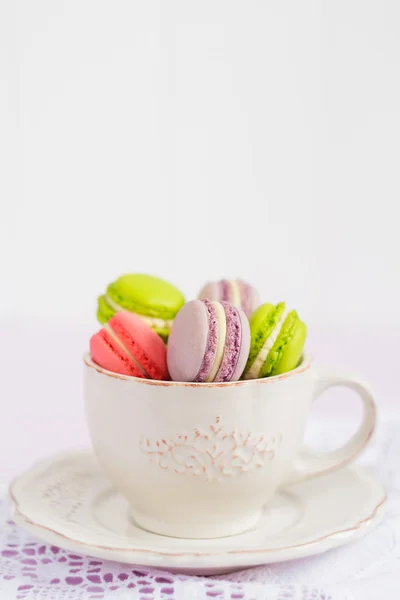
(203, 478)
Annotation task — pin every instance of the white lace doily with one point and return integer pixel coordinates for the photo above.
(365, 570)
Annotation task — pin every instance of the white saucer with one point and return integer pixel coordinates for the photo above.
(66, 501)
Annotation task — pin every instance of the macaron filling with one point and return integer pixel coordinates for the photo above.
(109, 331)
(230, 291)
(281, 342)
(262, 322)
(153, 322)
(257, 366)
(235, 293)
(232, 344)
(221, 335)
(212, 343)
(116, 360)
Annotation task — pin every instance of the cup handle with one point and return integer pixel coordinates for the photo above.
(310, 463)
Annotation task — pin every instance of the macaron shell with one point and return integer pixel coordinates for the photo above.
(250, 298)
(233, 340)
(246, 296)
(142, 342)
(104, 312)
(187, 341)
(293, 350)
(146, 295)
(210, 354)
(261, 322)
(210, 292)
(279, 346)
(129, 346)
(107, 353)
(245, 346)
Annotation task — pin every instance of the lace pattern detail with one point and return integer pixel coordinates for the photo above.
(214, 454)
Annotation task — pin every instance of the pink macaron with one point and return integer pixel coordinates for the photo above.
(209, 341)
(127, 345)
(235, 291)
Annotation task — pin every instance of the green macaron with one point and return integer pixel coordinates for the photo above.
(277, 341)
(154, 300)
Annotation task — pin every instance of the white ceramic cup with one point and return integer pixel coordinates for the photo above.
(200, 460)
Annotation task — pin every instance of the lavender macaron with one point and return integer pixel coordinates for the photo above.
(235, 291)
(209, 341)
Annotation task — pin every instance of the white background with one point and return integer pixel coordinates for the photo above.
(193, 140)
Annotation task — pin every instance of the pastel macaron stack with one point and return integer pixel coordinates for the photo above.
(235, 291)
(224, 335)
(154, 300)
(127, 345)
(209, 341)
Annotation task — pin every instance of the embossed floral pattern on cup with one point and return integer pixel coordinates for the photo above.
(214, 453)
